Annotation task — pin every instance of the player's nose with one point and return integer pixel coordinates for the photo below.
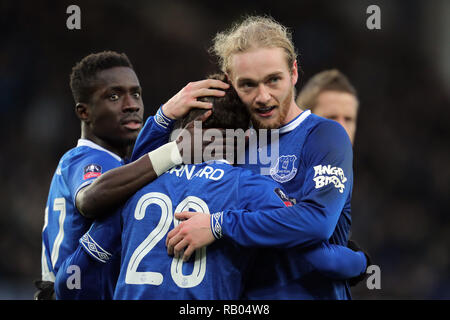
(130, 104)
(263, 95)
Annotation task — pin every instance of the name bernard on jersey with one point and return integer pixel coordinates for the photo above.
(191, 171)
(324, 175)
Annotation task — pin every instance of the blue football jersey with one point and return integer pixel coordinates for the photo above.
(213, 272)
(63, 224)
(314, 166)
(311, 158)
(97, 259)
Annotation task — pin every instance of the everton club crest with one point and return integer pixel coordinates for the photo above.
(284, 170)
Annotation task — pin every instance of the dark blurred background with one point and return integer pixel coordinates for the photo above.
(401, 153)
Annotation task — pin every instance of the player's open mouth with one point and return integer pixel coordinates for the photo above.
(132, 124)
(265, 111)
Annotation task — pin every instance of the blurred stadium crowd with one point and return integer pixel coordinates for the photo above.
(401, 154)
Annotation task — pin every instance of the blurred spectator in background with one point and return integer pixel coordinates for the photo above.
(330, 94)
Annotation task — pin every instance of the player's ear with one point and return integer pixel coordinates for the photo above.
(82, 111)
(294, 72)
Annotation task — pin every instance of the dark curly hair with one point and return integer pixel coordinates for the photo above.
(84, 72)
(229, 112)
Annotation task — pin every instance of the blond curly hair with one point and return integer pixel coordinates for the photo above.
(252, 32)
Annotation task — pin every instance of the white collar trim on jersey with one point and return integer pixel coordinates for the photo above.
(296, 122)
(90, 144)
(218, 161)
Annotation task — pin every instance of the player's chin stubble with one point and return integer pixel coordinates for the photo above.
(273, 123)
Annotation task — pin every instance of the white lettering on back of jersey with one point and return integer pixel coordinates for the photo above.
(177, 170)
(217, 174)
(187, 172)
(207, 172)
(324, 175)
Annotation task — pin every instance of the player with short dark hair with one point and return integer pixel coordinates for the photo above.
(108, 102)
(83, 78)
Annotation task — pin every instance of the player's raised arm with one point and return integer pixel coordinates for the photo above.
(187, 98)
(157, 129)
(115, 186)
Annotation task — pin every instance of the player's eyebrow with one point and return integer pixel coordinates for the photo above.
(244, 80)
(135, 89)
(241, 81)
(124, 88)
(273, 74)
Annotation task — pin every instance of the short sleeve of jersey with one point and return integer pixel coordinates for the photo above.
(155, 133)
(82, 169)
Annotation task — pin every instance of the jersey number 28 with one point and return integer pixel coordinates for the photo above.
(155, 278)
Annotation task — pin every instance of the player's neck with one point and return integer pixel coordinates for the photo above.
(293, 112)
(121, 151)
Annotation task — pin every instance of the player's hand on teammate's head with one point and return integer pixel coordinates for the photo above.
(187, 98)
